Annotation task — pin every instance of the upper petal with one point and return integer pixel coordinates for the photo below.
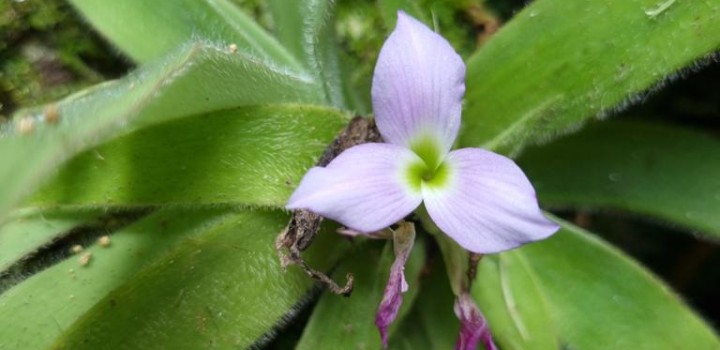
(365, 188)
(418, 86)
(486, 204)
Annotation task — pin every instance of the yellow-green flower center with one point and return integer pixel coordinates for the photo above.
(431, 170)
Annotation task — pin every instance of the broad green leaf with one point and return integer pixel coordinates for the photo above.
(245, 156)
(198, 78)
(307, 29)
(216, 269)
(509, 296)
(349, 323)
(148, 30)
(25, 234)
(41, 308)
(223, 289)
(661, 171)
(431, 323)
(600, 298)
(559, 62)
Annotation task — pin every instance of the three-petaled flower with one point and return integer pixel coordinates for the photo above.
(480, 199)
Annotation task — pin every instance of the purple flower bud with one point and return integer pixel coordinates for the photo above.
(473, 326)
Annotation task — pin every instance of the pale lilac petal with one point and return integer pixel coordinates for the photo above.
(473, 326)
(418, 86)
(403, 239)
(487, 204)
(365, 188)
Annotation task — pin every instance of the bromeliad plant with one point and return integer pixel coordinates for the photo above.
(187, 165)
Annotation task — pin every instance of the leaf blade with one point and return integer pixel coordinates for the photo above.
(307, 29)
(604, 292)
(25, 234)
(223, 289)
(255, 156)
(509, 295)
(660, 171)
(66, 290)
(542, 75)
(149, 30)
(177, 86)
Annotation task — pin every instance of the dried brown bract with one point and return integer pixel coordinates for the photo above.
(304, 225)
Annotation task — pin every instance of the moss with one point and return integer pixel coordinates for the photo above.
(46, 52)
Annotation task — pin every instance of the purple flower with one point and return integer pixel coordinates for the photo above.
(480, 199)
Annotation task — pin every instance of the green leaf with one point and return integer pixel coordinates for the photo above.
(600, 298)
(662, 171)
(245, 156)
(147, 30)
(307, 29)
(65, 291)
(25, 234)
(455, 257)
(558, 63)
(178, 279)
(222, 289)
(508, 293)
(348, 323)
(199, 78)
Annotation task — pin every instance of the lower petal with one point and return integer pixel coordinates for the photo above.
(365, 188)
(486, 203)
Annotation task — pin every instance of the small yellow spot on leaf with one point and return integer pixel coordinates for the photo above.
(104, 241)
(76, 249)
(26, 125)
(84, 259)
(52, 114)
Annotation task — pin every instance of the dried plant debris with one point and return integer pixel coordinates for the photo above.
(304, 224)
